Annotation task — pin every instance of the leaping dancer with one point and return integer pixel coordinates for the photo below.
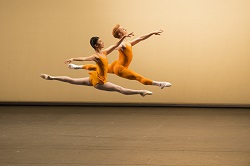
(120, 67)
(98, 78)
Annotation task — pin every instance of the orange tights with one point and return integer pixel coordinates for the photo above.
(122, 72)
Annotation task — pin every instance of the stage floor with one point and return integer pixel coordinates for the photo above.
(127, 136)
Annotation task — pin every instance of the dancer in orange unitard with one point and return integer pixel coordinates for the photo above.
(98, 78)
(120, 67)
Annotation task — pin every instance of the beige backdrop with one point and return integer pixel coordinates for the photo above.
(204, 50)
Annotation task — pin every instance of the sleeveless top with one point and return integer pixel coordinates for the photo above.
(125, 56)
(99, 76)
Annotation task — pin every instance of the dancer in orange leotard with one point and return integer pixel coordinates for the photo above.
(120, 67)
(98, 78)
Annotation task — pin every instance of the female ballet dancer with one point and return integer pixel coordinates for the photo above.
(120, 67)
(98, 78)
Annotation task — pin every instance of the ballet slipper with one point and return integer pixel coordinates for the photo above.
(73, 66)
(144, 93)
(165, 84)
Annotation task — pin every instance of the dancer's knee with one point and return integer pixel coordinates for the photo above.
(142, 80)
(70, 80)
(121, 90)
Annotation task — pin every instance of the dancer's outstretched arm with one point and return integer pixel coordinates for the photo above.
(94, 57)
(89, 58)
(107, 50)
(141, 38)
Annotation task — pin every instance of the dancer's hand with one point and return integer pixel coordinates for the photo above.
(130, 34)
(68, 61)
(158, 32)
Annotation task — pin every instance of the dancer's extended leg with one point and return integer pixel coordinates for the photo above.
(130, 74)
(108, 86)
(87, 66)
(91, 67)
(75, 81)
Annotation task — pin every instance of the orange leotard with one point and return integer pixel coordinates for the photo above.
(99, 76)
(125, 55)
(120, 66)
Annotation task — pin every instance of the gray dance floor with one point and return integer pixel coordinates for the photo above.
(126, 136)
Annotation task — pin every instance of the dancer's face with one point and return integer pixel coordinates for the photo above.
(100, 43)
(122, 31)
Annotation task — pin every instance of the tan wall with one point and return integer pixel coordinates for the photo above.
(204, 50)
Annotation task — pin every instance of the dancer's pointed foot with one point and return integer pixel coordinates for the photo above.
(165, 84)
(145, 92)
(73, 66)
(46, 76)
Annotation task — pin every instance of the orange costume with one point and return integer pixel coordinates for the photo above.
(120, 66)
(99, 76)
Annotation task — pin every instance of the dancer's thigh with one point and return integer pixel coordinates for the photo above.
(81, 81)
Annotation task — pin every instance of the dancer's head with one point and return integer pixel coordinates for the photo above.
(96, 42)
(118, 31)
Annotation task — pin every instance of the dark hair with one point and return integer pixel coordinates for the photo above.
(93, 41)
